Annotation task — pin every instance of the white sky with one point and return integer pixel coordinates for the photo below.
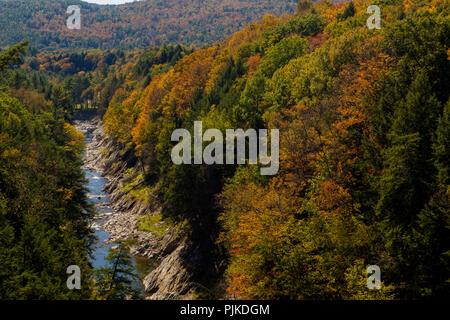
(109, 1)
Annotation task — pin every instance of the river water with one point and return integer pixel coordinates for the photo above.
(101, 201)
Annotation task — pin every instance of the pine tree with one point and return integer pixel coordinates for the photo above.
(116, 280)
(13, 55)
(432, 233)
(349, 11)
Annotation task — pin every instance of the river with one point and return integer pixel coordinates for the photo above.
(101, 201)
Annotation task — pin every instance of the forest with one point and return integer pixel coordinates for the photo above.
(364, 120)
(43, 207)
(130, 26)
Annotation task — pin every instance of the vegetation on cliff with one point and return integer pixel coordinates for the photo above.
(43, 206)
(363, 119)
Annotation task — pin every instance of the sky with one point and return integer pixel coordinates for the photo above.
(109, 1)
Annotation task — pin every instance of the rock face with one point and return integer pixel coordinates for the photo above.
(171, 279)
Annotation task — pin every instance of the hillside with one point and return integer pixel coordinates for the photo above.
(362, 180)
(363, 120)
(134, 25)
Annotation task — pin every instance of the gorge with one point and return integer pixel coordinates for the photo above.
(158, 260)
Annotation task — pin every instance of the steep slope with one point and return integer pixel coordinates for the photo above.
(363, 116)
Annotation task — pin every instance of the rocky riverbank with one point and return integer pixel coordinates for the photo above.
(171, 278)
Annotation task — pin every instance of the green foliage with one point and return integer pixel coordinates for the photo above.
(364, 169)
(363, 118)
(116, 281)
(399, 194)
(13, 55)
(130, 26)
(441, 146)
(304, 25)
(348, 12)
(156, 225)
(167, 54)
(281, 53)
(303, 6)
(43, 204)
(137, 189)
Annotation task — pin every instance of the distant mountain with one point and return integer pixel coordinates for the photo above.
(134, 25)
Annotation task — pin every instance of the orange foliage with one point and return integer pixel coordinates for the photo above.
(315, 145)
(318, 40)
(190, 75)
(217, 68)
(253, 63)
(332, 198)
(121, 114)
(170, 95)
(259, 216)
(148, 104)
(330, 14)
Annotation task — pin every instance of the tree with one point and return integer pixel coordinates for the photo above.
(431, 233)
(13, 55)
(303, 6)
(62, 105)
(116, 281)
(441, 146)
(349, 11)
(43, 206)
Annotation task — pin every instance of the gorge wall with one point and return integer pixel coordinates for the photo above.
(176, 259)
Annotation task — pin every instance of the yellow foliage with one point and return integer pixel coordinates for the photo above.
(250, 34)
(75, 141)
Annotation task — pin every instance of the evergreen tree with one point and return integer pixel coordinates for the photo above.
(116, 281)
(13, 55)
(349, 11)
(62, 104)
